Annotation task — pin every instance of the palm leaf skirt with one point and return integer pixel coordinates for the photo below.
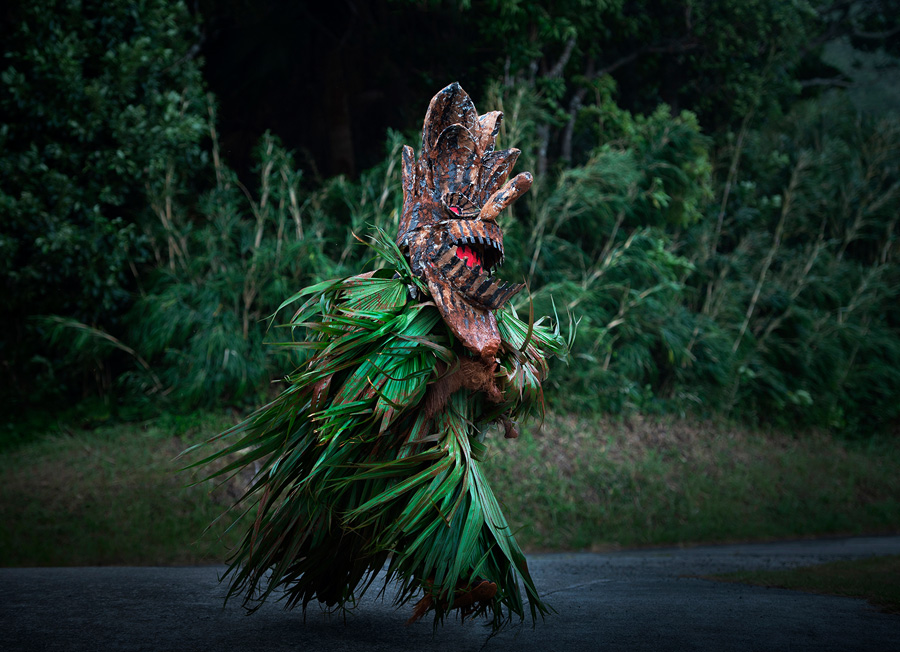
(352, 477)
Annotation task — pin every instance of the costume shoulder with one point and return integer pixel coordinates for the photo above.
(367, 350)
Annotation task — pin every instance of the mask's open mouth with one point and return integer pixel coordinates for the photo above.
(469, 255)
(478, 244)
(467, 262)
(487, 256)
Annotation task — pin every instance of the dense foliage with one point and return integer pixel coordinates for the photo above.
(709, 207)
(101, 117)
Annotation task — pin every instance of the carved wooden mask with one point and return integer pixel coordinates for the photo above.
(451, 198)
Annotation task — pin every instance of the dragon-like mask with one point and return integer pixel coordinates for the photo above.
(452, 196)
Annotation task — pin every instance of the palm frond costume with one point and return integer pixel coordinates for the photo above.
(371, 458)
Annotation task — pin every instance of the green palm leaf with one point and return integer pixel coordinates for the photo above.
(352, 477)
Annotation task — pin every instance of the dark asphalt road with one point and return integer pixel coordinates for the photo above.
(639, 600)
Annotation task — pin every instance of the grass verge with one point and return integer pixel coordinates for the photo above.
(873, 579)
(113, 495)
(580, 483)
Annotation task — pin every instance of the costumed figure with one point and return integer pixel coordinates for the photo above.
(370, 460)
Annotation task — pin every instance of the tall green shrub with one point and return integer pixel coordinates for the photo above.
(797, 267)
(100, 108)
(205, 322)
(775, 301)
(594, 241)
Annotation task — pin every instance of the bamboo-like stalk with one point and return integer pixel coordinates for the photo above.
(853, 353)
(802, 283)
(729, 182)
(786, 204)
(601, 268)
(217, 161)
(620, 217)
(279, 236)
(536, 241)
(296, 213)
(177, 246)
(713, 285)
(261, 212)
(114, 341)
(802, 162)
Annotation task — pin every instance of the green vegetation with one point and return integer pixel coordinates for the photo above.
(579, 483)
(874, 579)
(113, 495)
(714, 204)
(736, 259)
(102, 118)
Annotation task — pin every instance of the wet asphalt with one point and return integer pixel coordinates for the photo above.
(629, 600)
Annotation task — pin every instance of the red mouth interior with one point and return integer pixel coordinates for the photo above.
(469, 255)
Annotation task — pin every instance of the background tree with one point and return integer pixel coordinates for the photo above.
(102, 118)
(706, 202)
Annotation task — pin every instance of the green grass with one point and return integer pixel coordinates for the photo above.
(113, 494)
(595, 484)
(873, 579)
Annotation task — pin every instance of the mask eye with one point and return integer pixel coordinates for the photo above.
(459, 205)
